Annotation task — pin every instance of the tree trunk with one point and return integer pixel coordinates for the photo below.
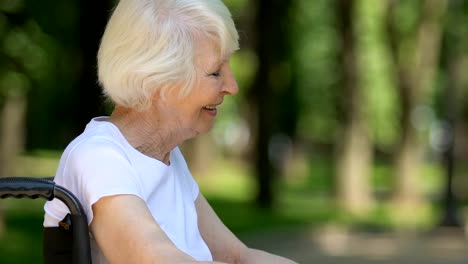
(415, 76)
(272, 82)
(353, 170)
(461, 129)
(455, 61)
(354, 157)
(12, 138)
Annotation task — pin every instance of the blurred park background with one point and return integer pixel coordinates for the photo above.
(348, 141)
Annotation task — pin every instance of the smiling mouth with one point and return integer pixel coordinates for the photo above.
(210, 107)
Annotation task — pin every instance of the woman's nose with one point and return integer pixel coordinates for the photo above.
(230, 83)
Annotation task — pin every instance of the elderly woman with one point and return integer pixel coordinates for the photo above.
(165, 66)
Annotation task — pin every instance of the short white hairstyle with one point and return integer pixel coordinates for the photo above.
(150, 45)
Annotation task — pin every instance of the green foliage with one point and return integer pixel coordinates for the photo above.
(407, 17)
(36, 64)
(11, 6)
(41, 57)
(23, 54)
(315, 52)
(236, 6)
(13, 84)
(378, 86)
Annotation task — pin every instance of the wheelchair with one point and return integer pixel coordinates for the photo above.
(67, 243)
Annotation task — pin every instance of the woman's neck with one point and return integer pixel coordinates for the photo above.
(145, 132)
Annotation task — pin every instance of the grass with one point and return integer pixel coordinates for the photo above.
(302, 201)
(22, 240)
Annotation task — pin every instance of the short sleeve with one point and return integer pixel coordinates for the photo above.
(95, 170)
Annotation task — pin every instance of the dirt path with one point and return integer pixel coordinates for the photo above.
(331, 245)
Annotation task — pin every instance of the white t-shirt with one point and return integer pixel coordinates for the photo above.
(100, 162)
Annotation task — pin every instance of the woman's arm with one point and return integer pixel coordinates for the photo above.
(126, 232)
(224, 245)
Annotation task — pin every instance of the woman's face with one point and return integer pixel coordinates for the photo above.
(195, 113)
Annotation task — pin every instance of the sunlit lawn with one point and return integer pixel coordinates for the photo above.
(22, 241)
(302, 201)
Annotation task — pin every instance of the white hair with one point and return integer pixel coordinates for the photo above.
(150, 45)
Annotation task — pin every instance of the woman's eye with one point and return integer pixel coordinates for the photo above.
(216, 73)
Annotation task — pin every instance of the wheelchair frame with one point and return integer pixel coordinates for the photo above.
(67, 243)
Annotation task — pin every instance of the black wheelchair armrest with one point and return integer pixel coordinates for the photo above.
(75, 232)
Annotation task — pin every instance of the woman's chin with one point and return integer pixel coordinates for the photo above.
(205, 129)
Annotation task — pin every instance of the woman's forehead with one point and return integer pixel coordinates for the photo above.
(208, 54)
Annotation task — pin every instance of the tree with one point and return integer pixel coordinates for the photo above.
(415, 57)
(20, 39)
(454, 59)
(354, 156)
(271, 89)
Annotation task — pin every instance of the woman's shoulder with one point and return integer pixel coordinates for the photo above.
(98, 140)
